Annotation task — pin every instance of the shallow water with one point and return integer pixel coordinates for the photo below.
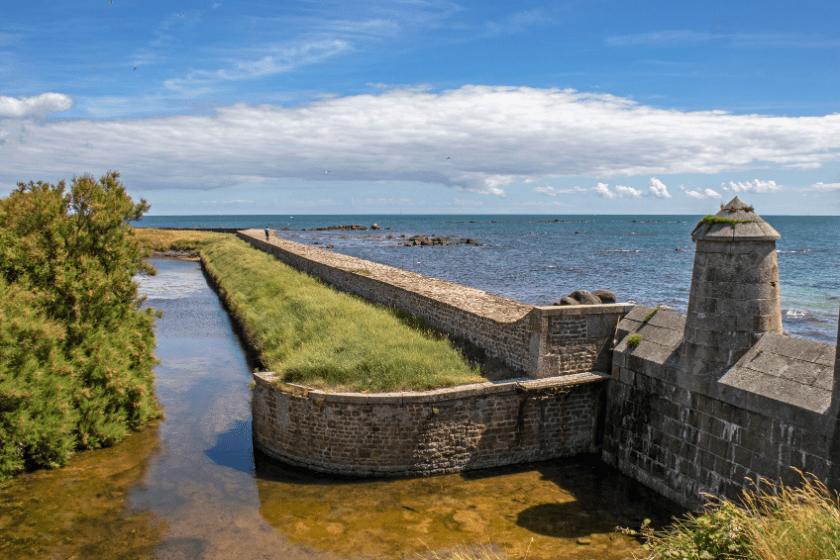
(189, 487)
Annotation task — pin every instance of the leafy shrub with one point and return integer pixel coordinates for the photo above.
(634, 340)
(76, 354)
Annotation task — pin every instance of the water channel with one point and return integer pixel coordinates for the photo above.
(191, 486)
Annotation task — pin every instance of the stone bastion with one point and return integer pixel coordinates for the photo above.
(709, 404)
(563, 356)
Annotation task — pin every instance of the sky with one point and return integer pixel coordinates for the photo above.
(428, 106)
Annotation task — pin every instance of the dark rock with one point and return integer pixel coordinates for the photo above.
(351, 227)
(584, 298)
(330, 246)
(605, 296)
(566, 301)
(375, 226)
(471, 241)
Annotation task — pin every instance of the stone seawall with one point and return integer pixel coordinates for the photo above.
(538, 341)
(428, 432)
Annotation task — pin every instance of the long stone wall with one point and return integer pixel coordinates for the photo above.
(428, 432)
(537, 341)
(684, 435)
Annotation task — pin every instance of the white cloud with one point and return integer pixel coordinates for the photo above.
(551, 191)
(708, 193)
(494, 135)
(756, 186)
(38, 106)
(658, 188)
(688, 37)
(826, 186)
(805, 165)
(621, 190)
(604, 190)
(283, 58)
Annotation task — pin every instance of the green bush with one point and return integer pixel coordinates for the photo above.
(76, 354)
(634, 340)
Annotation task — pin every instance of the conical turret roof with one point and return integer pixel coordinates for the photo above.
(735, 222)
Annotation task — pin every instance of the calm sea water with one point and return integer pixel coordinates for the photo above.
(533, 259)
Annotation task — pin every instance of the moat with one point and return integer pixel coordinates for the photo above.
(191, 486)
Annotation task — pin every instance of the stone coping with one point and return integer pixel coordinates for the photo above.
(522, 384)
(478, 302)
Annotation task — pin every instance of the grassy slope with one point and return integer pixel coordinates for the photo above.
(309, 333)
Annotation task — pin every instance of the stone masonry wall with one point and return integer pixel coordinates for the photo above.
(538, 341)
(682, 435)
(428, 432)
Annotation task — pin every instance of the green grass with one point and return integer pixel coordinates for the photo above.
(780, 523)
(711, 220)
(634, 340)
(311, 334)
(650, 315)
(177, 240)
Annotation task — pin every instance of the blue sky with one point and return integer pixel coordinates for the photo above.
(331, 107)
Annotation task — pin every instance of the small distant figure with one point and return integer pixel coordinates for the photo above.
(447, 158)
(93, 66)
(182, 13)
(135, 68)
(266, 233)
(326, 171)
(111, 2)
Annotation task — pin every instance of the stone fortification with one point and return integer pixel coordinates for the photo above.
(428, 432)
(734, 296)
(714, 402)
(540, 342)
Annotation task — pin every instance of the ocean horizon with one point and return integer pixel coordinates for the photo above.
(538, 259)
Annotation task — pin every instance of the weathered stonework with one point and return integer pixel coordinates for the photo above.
(537, 341)
(719, 400)
(427, 432)
(734, 296)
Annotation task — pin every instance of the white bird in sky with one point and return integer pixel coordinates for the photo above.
(326, 171)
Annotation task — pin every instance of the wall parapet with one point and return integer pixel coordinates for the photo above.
(537, 341)
(419, 433)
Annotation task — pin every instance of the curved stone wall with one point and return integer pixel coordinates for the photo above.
(427, 432)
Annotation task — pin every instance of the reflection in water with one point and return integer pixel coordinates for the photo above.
(187, 487)
(80, 511)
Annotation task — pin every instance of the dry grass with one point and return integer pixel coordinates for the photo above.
(781, 523)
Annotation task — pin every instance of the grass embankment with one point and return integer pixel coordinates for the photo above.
(779, 524)
(161, 240)
(311, 334)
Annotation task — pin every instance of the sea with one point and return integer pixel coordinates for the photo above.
(539, 259)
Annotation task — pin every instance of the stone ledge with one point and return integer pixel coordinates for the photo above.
(267, 378)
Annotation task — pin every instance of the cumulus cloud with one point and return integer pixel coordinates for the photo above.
(603, 189)
(39, 106)
(494, 136)
(708, 193)
(658, 188)
(756, 186)
(621, 190)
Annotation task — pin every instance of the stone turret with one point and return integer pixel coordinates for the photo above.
(734, 295)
